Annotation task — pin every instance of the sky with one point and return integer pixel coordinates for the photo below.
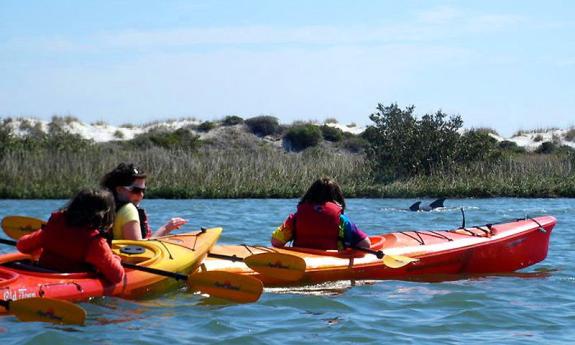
(508, 65)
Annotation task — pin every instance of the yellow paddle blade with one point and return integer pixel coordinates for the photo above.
(47, 310)
(397, 261)
(18, 226)
(227, 285)
(281, 266)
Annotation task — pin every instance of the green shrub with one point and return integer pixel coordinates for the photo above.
(263, 125)
(232, 120)
(5, 138)
(355, 144)
(179, 139)
(486, 130)
(403, 146)
(330, 120)
(330, 133)
(538, 138)
(206, 126)
(301, 137)
(118, 134)
(69, 119)
(570, 135)
(511, 146)
(476, 145)
(56, 125)
(546, 148)
(25, 125)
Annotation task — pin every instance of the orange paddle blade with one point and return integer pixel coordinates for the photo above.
(226, 285)
(280, 266)
(18, 226)
(397, 261)
(47, 310)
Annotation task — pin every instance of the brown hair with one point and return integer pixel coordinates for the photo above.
(324, 190)
(123, 175)
(94, 208)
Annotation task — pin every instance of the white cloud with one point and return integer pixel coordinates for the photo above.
(427, 26)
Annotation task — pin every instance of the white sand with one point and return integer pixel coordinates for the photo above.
(104, 132)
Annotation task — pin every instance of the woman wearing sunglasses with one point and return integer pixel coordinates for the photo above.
(128, 184)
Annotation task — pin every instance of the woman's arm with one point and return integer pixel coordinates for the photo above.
(283, 233)
(353, 236)
(31, 243)
(104, 261)
(172, 224)
(132, 231)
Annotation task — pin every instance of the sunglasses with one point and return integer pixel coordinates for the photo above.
(135, 189)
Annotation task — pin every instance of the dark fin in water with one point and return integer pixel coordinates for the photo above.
(437, 203)
(415, 206)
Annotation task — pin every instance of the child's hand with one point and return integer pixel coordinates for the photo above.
(175, 223)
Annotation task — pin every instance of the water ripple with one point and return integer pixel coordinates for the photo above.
(533, 306)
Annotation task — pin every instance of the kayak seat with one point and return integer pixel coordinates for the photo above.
(32, 266)
(28, 265)
(7, 277)
(382, 241)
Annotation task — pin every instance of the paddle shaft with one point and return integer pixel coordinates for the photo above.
(8, 242)
(232, 258)
(377, 253)
(170, 274)
(5, 304)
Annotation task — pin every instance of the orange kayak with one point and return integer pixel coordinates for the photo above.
(182, 253)
(492, 248)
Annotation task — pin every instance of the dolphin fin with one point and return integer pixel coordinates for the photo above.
(415, 206)
(437, 203)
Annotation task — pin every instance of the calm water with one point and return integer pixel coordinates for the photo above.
(536, 307)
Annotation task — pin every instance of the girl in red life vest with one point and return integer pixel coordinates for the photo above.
(128, 184)
(320, 221)
(74, 239)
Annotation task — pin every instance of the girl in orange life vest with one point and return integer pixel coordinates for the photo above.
(128, 184)
(74, 239)
(320, 222)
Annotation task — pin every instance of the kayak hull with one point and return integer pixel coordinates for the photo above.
(498, 248)
(182, 253)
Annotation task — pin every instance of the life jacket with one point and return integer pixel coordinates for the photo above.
(65, 246)
(317, 226)
(144, 225)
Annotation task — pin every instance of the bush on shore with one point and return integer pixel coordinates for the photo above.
(399, 156)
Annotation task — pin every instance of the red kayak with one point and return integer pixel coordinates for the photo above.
(21, 278)
(491, 248)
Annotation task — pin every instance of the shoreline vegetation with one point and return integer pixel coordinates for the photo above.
(400, 155)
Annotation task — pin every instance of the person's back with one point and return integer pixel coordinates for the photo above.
(73, 240)
(320, 222)
(64, 247)
(317, 226)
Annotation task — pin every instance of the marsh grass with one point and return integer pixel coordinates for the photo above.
(522, 176)
(233, 173)
(268, 172)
